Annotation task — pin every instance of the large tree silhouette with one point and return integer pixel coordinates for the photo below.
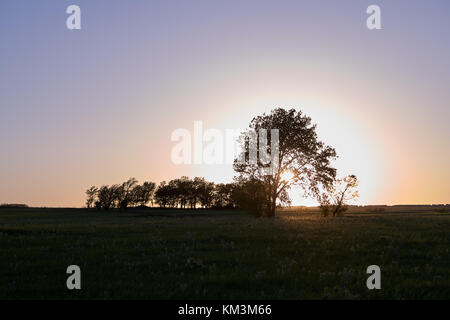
(303, 161)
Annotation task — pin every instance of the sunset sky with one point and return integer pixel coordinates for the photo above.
(98, 105)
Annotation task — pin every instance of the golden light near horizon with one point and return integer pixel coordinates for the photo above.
(113, 119)
(360, 144)
(287, 176)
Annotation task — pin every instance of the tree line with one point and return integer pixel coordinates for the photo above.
(246, 194)
(177, 193)
(303, 161)
(122, 196)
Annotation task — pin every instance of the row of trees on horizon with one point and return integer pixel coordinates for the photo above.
(304, 162)
(196, 193)
(177, 193)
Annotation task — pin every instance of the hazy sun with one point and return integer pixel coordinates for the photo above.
(287, 175)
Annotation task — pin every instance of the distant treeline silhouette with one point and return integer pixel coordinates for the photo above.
(298, 158)
(13, 205)
(177, 193)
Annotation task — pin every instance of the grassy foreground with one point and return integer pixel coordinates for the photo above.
(175, 254)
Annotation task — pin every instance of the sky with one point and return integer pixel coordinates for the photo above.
(98, 105)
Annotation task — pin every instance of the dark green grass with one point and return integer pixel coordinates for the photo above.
(175, 254)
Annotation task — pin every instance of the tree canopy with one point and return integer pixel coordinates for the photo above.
(302, 157)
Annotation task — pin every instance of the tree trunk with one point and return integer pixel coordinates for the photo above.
(272, 207)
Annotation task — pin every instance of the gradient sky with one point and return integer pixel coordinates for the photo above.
(98, 105)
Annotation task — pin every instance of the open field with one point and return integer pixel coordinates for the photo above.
(176, 254)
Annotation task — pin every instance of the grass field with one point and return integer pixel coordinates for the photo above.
(175, 254)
